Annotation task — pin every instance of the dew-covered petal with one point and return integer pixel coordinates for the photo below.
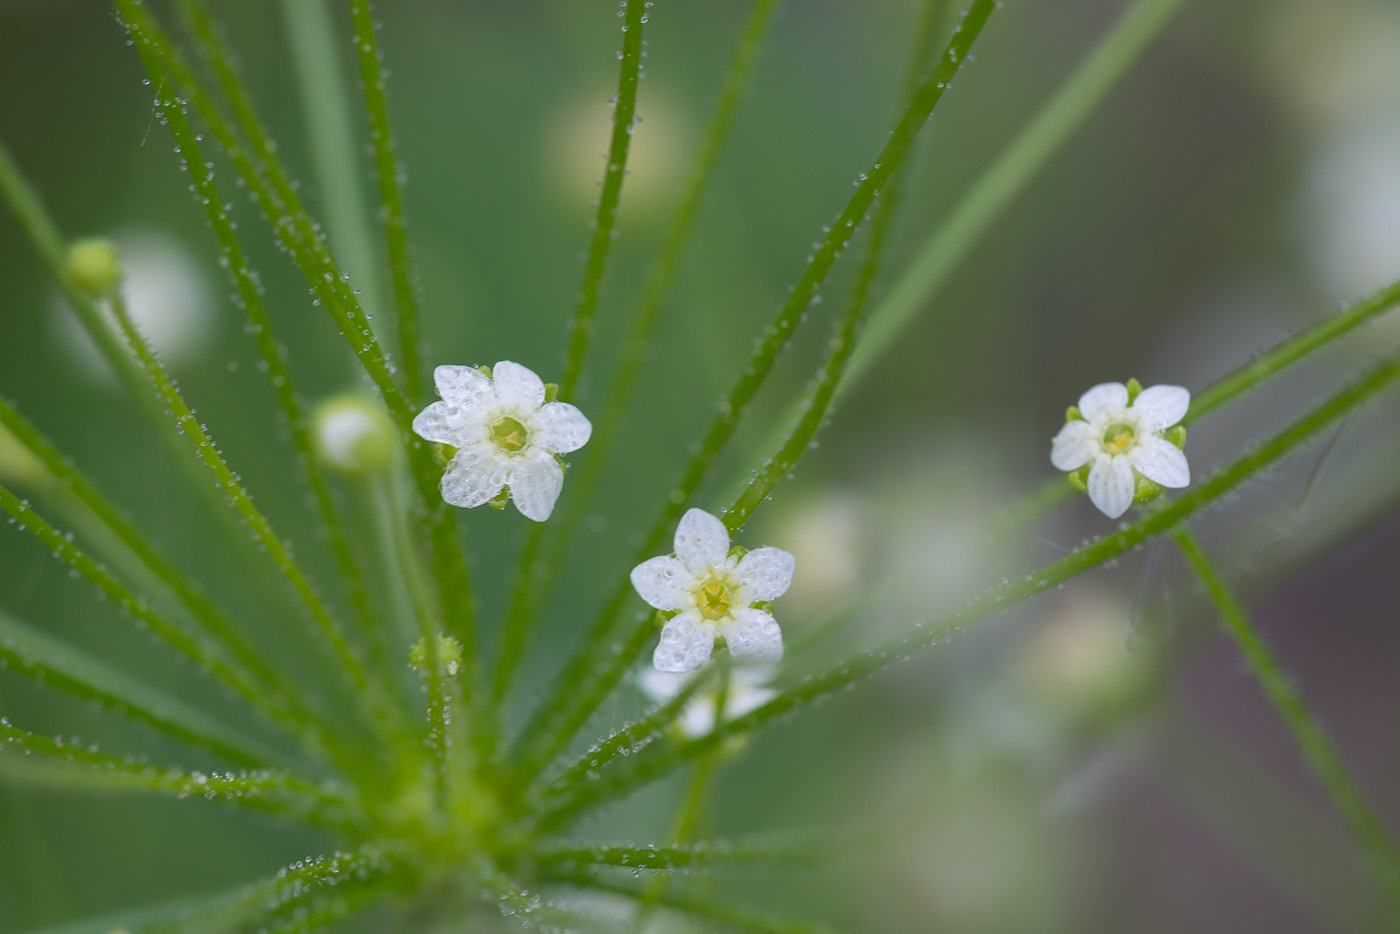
(1073, 447)
(661, 686)
(686, 643)
(663, 582)
(1161, 462)
(517, 386)
(535, 484)
(765, 574)
(473, 476)
(702, 541)
(562, 428)
(461, 385)
(1111, 485)
(441, 422)
(753, 636)
(1163, 406)
(1102, 398)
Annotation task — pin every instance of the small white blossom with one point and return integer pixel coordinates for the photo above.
(1122, 441)
(353, 434)
(713, 594)
(505, 434)
(747, 690)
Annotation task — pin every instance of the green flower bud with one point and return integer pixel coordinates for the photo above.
(353, 435)
(95, 266)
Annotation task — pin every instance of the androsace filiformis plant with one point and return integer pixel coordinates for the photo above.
(383, 722)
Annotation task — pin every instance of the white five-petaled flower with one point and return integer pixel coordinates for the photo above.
(747, 690)
(505, 434)
(1122, 440)
(713, 594)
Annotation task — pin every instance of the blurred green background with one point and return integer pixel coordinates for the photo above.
(1096, 761)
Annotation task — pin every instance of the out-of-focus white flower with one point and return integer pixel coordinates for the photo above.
(505, 436)
(747, 690)
(714, 594)
(167, 296)
(1079, 659)
(352, 434)
(1351, 215)
(827, 535)
(1117, 433)
(577, 141)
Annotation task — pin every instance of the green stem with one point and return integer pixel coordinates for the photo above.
(520, 616)
(663, 270)
(657, 761)
(555, 720)
(296, 232)
(369, 693)
(110, 518)
(31, 653)
(679, 856)
(263, 790)
(249, 290)
(1098, 74)
(392, 215)
(815, 405)
(1307, 732)
(205, 655)
(625, 741)
(635, 16)
(330, 136)
(436, 680)
(707, 909)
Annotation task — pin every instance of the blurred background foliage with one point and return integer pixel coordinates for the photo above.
(1097, 760)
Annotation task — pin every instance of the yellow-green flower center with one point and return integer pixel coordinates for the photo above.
(509, 434)
(713, 599)
(1119, 437)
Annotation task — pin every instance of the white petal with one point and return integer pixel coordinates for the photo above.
(663, 582)
(474, 475)
(1101, 398)
(754, 635)
(461, 385)
(1111, 485)
(765, 574)
(1162, 406)
(440, 421)
(562, 428)
(1161, 461)
(1073, 447)
(517, 386)
(535, 484)
(686, 643)
(702, 541)
(660, 686)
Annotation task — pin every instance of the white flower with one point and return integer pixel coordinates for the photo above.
(747, 690)
(505, 434)
(1123, 440)
(714, 593)
(353, 434)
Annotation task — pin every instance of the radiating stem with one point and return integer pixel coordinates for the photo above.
(395, 222)
(1307, 732)
(263, 790)
(582, 686)
(334, 145)
(657, 761)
